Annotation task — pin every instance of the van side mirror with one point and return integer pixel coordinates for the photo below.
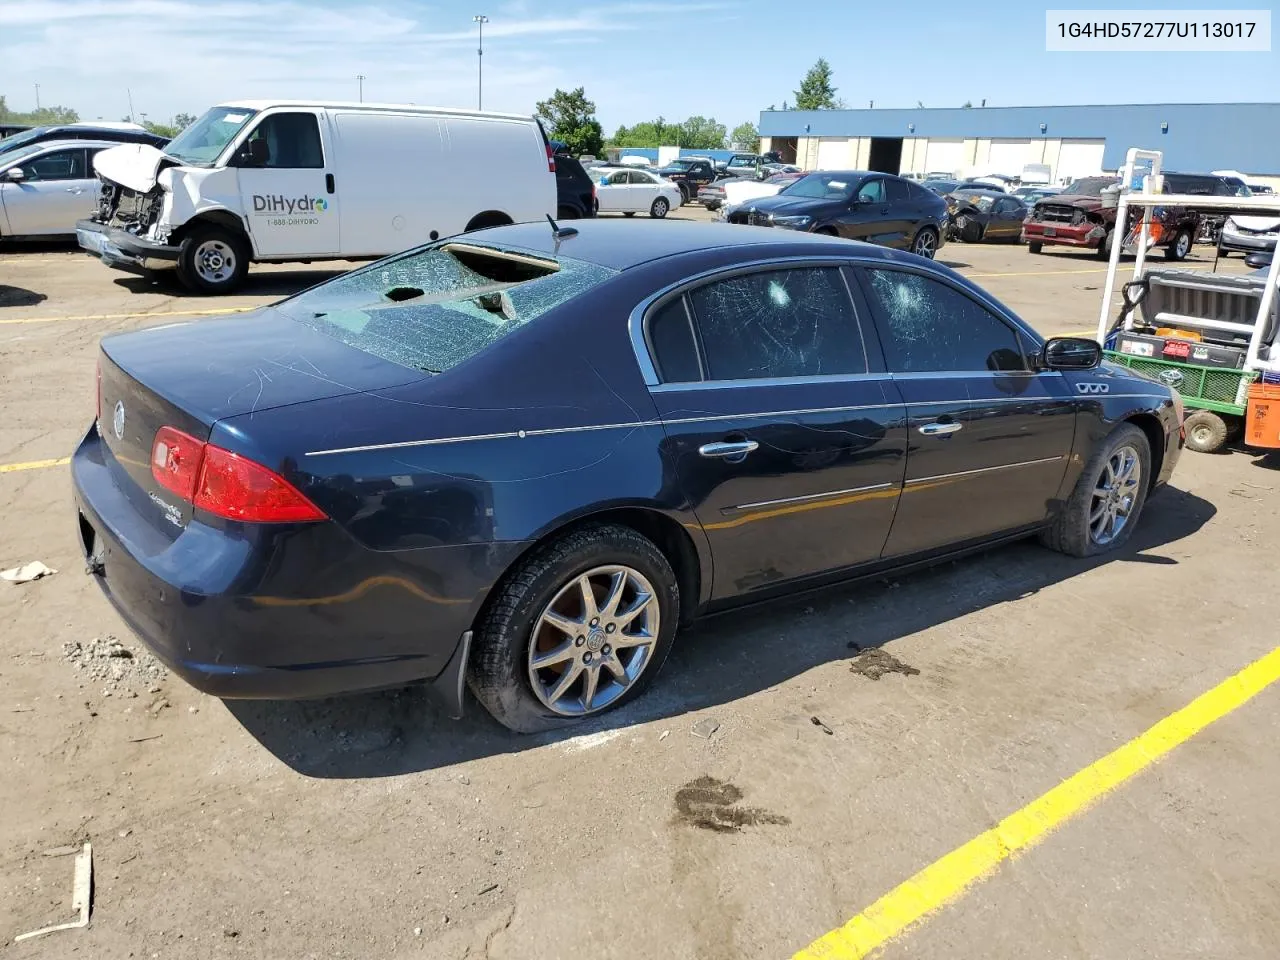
(15, 174)
(1070, 353)
(253, 153)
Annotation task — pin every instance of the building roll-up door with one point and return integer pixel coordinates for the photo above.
(944, 156)
(833, 153)
(1010, 156)
(1079, 158)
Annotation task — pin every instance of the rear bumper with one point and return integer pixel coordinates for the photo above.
(122, 250)
(253, 613)
(1064, 234)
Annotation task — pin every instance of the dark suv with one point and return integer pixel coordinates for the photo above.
(575, 191)
(81, 131)
(858, 204)
(1077, 217)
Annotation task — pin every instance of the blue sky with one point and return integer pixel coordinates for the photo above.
(636, 58)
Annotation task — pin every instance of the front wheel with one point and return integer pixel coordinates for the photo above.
(579, 627)
(1034, 247)
(1108, 497)
(212, 260)
(1104, 246)
(925, 244)
(1180, 247)
(659, 208)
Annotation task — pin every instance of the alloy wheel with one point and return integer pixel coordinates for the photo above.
(593, 640)
(924, 246)
(1114, 495)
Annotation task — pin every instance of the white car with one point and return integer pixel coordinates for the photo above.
(740, 191)
(635, 191)
(47, 186)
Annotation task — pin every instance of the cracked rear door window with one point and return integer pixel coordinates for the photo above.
(778, 323)
(435, 308)
(930, 327)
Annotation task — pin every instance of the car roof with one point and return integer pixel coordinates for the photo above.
(622, 244)
(81, 142)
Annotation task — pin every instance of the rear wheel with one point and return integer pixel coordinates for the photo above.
(1180, 247)
(1034, 247)
(1108, 497)
(212, 260)
(659, 208)
(567, 213)
(579, 627)
(1206, 431)
(925, 244)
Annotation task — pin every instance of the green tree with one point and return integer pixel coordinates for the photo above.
(648, 133)
(181, 121)
(36, 118)
(816, 91)
(702, 133)
(746, 137)
(572, 119)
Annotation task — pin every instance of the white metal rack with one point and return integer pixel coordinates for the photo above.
(1151, 197)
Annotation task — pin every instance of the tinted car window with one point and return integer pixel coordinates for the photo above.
(897, 189)
(931, 327)
(671, 338)
(778, 323)
(293, 141)
(872, 189)
(59, 165)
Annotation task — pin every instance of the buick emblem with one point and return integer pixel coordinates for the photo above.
(1172, 378)
(117, 420)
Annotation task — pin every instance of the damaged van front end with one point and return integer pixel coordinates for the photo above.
(129, 229)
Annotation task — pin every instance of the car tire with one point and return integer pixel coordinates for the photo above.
(1103, 252)
(659, 208)
(512, 628)
(1034, 247)
(1206, 431)
(1180, 247)
(1223, 254)
(1082, 528)
(212, 260)
(925, 243)
(568, 213)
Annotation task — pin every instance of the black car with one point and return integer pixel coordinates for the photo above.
(856, 204)
(691, 174)
(985, 215)
(575, 190)
(526, 457)
(81, 131)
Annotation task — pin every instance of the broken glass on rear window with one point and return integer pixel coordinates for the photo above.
(434, 309)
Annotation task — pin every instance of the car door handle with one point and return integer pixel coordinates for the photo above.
(328, 183)
(75, 189)
(727, 448)
(939, 429)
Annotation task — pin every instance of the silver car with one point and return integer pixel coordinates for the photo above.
(46, 187)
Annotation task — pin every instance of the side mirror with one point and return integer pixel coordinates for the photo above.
(252, 153)
(15, 174)
(1255, 260)
(866, 198)
(1071, 353)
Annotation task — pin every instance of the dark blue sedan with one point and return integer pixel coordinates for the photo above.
(521, 460)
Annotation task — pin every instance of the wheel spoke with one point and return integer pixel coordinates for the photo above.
(589, 685)
(565, 682)
(566, 625)
(551, 657)
(1101, 492)
(589, 608)
(638, 606)
(1098, 511)
(622, 641)
(614, 596)
(615, 667)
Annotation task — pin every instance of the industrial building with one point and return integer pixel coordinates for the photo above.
(1073, 141)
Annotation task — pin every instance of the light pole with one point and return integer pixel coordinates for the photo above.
(37, 96)
(481, 19)
(360, 81)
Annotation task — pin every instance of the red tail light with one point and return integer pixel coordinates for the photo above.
(551, 159)
(224, 483)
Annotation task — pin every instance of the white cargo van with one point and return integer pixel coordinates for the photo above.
(277, 181)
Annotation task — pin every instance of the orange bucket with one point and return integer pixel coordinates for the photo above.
(1262, 416)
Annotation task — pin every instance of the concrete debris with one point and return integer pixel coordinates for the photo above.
(107, 660)
(705, 728)
(27, 572)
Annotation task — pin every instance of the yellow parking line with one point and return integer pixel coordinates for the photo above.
(33, 465)
(1035, 273)
(132, 316)
(947, 879)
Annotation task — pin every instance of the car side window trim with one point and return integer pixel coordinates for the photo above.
(638, 324)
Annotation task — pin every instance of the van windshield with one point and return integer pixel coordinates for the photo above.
(202, 142)
(436, 307)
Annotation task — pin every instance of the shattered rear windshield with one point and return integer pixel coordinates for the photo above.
(433, 309)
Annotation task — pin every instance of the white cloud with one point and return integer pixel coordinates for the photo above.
(176, 55)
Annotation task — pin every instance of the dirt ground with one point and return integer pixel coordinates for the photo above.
(788, 768)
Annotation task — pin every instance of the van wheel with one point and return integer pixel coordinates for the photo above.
(1034, 247)
(579, 627)
(567, 213)
(1180, 247)
(213, 260)
(490, 218)
(659, 208)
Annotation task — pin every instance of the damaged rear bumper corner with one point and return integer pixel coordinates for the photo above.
(122, 250)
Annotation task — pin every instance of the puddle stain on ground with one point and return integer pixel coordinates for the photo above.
(875, 663)
(711, 804)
